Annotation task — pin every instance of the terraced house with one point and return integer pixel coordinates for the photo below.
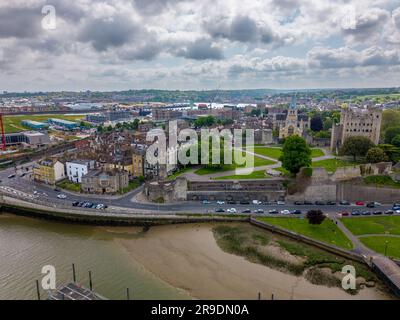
(49, 171)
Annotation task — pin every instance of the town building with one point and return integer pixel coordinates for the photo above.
(78, 168)
(32, 139)
(295, 123)
(105, 181)
(138, 160)
(357, 122)
(49, 171)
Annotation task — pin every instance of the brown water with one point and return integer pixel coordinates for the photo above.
(152, 264)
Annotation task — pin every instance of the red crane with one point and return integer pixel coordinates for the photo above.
(3, 135)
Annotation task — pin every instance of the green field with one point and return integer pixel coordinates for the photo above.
(373, 225)
(379, 243)
(254, 175)
(13, 123)
(275, 153)
(331, 165)
(258, 162)
(326, 232)
(381, 181)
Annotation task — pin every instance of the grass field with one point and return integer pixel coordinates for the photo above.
(373, 225)
(258, 162)
(254, 175)
(326, 232)
(13, 123)
(331, 165)
(382, 181)
(275, 153)
(379, 244)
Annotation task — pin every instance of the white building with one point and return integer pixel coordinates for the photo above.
(77, 169)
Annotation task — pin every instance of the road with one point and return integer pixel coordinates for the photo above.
(48, 194)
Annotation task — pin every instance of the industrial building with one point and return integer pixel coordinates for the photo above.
(35, 125)
(29, 138)
(65, 124)
(111, 115)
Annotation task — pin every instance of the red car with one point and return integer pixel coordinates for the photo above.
(360, 203)
(345, 214)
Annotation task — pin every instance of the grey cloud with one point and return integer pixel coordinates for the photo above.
(396, 17)
(201, 49)
(154, 7)
(147, 51)
(20, 22)
(109, 32)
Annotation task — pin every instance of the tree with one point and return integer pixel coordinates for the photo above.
(390, 133)
(391, 151)
(376, 155)
(316, 124)
(315, 217)
(328, 123)
(390, 118)
(396, 141)
(295, 154)
(356, 146)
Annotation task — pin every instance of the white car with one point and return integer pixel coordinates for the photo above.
(285, 212)
(61, 196)
(280, 203)
(220, 202)
(256, 202)
(232, 210)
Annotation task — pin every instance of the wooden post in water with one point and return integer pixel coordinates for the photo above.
(73, 272)
(272, 296)
(127, 294)
(37, 289)
(259, 296)
(90, 281)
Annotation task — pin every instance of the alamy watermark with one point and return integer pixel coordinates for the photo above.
(206, 147)
(349, 280)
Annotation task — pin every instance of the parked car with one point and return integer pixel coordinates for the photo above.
(320, 203)
(295, 212)
(389, 212)
(366, 213)
(370, 205)
(244, 202)
(61, 196)
(206, 202)
(285, 212)
(308, 203)
(345, 213)
(232, 210)
(259, 211)
(246, 211)
(344, 203)
(11, 176)
(220, 202)
(331, 203)
(57, 189)
(356, 213)
(281, 203)
(396, 208)
(256, 202)
(273, 211)
(360, 203)
(298, 203)
(396, 204)
(75, 203)
(377, 213)
(231, 202)
(219, 210)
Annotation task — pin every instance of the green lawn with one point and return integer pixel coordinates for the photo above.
(326, 232)
(13, 123)
(254, 175)
(373, 225)
(70, 186)
(378, 244)
(275, 153)
(381, 181)
(331, 165)
(258, 162)
(178, 173)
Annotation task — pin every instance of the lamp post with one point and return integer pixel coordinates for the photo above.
(386, 246)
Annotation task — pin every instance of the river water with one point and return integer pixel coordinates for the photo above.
(166, 262)
(26, 245)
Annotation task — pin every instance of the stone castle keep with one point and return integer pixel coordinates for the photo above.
(357, 122)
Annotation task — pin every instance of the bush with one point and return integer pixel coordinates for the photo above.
(315, 216)
(376, 155)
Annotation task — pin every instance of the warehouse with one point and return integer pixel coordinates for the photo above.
(35, 125)
(65, 124)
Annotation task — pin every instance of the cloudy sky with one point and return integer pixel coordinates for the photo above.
(198, 44)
